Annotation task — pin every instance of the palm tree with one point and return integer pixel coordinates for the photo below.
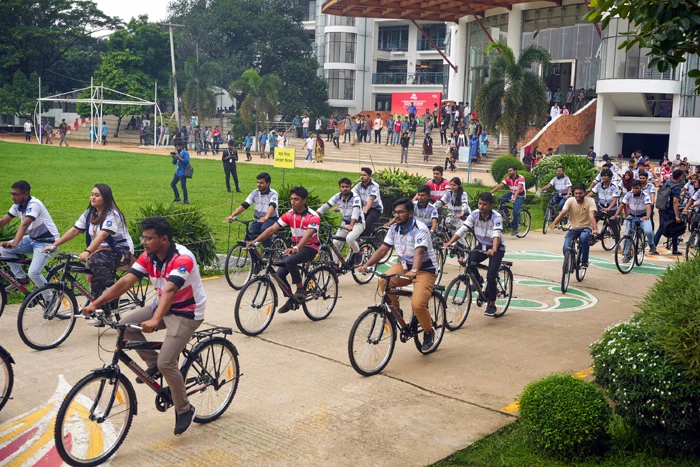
(261, 97)
(198, 94)
(514, 95)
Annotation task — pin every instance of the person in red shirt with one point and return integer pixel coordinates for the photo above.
(304, 224)
(516, 194)
(438, 185)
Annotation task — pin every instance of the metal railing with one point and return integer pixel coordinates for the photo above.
(393, 45)
(660, 107)
(424, 44)
(410, 79)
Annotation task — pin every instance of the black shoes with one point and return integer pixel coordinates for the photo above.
(300, 294)
(286, 307)
(428, 338)
(176, 200)
(183, 421)
(152, 372)
(490, 310)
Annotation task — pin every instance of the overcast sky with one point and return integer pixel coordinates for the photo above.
(126, 9)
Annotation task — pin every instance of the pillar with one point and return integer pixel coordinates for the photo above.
(458, 43)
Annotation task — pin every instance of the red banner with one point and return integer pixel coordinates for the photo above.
(401, 101)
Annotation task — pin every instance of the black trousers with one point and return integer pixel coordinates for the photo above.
(613, 224)
(230, 171)
(492, 273)
(292, 262)
(377, 136)
(370, 219)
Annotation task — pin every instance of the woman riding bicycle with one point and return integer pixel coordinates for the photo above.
(108, 243)
(456, 199)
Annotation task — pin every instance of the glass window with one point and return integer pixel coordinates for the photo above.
(690, 102)
(341, 84)
(393, 38)
(334, 20)
(340, 47)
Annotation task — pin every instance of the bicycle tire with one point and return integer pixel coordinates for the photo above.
(440, 257)
(321, 286)
(7, 377)
(379, 234)
(366, 250)
(547, 219)
(381, 329)
(53, 276)
(640, 246)
(436, 307)
(504, 293)
(566, 271)
(267, 303)
(81, 406)
(624, 243)
(607, 238)
(206, 364)
(279, 243)
(524, 222)
(60, 296)
(458, 297)
(238, 267)
(3, 297)
(692, 247)
(580, 271)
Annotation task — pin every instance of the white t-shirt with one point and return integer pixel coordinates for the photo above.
(305, 122)
(310, 143)
(27, 127)
(42, 229)
(113, 224)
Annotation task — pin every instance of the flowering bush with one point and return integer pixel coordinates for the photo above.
(649, 391)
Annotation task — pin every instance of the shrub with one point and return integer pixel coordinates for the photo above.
(649, 391)
(190, 229)
(397, 178)
(8, 232)
(530, 180)
(499, 167)
(565, 416)
(577, 168)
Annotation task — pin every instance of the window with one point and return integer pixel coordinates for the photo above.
(690, 102)
(340, 47)
(436, 32)
(394, 38)
(333, 20)
(341, 84)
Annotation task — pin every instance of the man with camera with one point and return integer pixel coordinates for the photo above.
(181, 158)
(229, 158)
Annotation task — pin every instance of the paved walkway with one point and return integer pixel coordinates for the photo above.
(300, 402)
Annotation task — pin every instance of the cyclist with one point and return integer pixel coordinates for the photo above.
(368, 191)
(581, 210)
(639, 212)
(416, 261)
(41, 231)
(108, 244)
(456, 199)
(353, 224)
(614, 177)
(264, 201)
(438, 185)
(607, 194)
(179, 308)
(304, 224)
(422, 210)
(562, 185)
(648, 188)
(487, 225)
(516, 185)
(694, 204)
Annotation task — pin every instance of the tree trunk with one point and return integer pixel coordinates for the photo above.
(119, 123)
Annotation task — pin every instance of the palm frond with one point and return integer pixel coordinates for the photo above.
(535, 54)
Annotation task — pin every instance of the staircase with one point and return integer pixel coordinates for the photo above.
(565, 130)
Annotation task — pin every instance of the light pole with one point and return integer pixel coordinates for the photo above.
(172, 61)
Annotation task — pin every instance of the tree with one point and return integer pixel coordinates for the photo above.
(514, 95)
(198, 94)
(19, 97)
(670, 29)
(305, 91)
(261, 97)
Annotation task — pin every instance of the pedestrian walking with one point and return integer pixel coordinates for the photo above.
(309, 146)
(105, 133)
(248, 143)
(181, 158)
(62, 131)
(427, 147)
(320, 148)
(405, 140)
(47, 131)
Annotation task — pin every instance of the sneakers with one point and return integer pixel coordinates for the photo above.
(514, 233)
(490, 310)
(652, 250)
(177, 200)
(152, 372)
(300, 294)
(23, 281)
(584, 264)
(183, 421)
(286, 307)
(428, 338)
(627, 258)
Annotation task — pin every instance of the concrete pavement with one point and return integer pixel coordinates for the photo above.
(300, 402)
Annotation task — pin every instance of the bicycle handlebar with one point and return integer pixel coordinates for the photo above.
(100, 314)
(384, 276)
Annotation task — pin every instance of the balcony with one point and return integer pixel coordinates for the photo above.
(393, 46)
(425, 45)
(410, 79)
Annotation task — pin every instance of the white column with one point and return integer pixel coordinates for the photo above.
(413, 36)
(515, 29)
(458, 42)
(606, 138)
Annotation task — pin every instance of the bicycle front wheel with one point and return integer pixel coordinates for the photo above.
(255, 306)
(238, 267)
(321, 288)
(47, 316)
(436, 307)
(625, 252)
(211, 376)
(440, 256)
(371, 342)
(94, 419)
(459, 301)
(504, 290)
(692, 248)
(566, 271)
(366, 250)
(7, 378)
(607, 237)
(524, 223)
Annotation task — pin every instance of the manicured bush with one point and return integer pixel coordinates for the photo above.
(577, 168)
(397, 178)
(530, 180)
(499, 167)
(649, 391)
(565, 416)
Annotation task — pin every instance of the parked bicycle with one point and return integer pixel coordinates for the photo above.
(47, 315)
(239, 266)
(524, 222)
(328, 249)
(631, 248)
(551, 213)
(96, 415)
(7, 376)
(257, 301)
(373, 335)
(573, 261)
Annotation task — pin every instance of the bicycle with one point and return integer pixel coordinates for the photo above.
(8, 278)
(95, 417)
(523, 223)
(7, 376)
(551, 213)
(238, 267)
(257, 301)
(47, 315)
(630, 250)
(376, 239)
(373, 335)
(327, 249)
(573, 261)
(606, 235)
(459, 293)
(692, 246)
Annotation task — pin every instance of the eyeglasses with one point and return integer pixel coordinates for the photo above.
(146, 239)
(398, 213)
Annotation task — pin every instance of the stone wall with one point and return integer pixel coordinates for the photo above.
(565, 130)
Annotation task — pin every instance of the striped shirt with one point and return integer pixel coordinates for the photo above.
(605, 195)
(438, 190)
(561, 184)
(426, 214)
(637, 204)
(485, 230)
(112, 224)
(299, 223)
(456, 206)
(367, 192)
(42, 228)
(407, 242)
(350, 208)
(261, 201)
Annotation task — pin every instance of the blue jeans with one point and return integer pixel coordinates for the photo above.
(561, 200)
(397, 137)
(309, 155)
(306, 132)
(585, 235)
(516, 208)
(39, 259)
(646, 226)
(258, 227)
(413, 138)
(183, 184)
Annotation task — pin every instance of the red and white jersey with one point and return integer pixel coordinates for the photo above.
(514, 184)
(298, 223)
(180, 268)
(438, 190)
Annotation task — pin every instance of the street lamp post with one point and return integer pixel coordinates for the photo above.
(172, 61)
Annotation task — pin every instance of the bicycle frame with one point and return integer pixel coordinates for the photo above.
(329, 245)
(9, 277)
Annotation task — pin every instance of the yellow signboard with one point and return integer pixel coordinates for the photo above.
(284, 157)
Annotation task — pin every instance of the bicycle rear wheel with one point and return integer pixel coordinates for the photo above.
(625, 253)
(504, 290)
(524, 223)
(580, 271)
(458, 296)
(640, 246)
(371, 341)
(211, 376)
(607, 237)
(548, 217)
(440, 256)
(238, 267)
(94, 418)
(47, 316)
(321, 286)
(366, 250)
(3, 296)
(379, 235)
(566, 271)
(692, 247)
(7, 377)
(255, 306)
(436, 307)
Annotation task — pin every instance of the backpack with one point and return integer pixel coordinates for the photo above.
(663, 197)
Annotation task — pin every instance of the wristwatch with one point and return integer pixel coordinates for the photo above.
(414, 271)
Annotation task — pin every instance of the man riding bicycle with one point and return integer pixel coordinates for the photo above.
(581, 210)
(416, 261)
(614, 177)
(304, 224)
(179, 308)
(353, 224)
(516, 185)
(639, 213)
(368, 191)
(422, 210)
(562, 187)
(264, 201)
(607, 194)
(487, 225)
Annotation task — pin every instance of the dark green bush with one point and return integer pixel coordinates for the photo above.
(577, 168)
(530, 180)
(8, 232)
(565, 416)
(190, 229)
(398, 178)
(499, 167)
(649, 391)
